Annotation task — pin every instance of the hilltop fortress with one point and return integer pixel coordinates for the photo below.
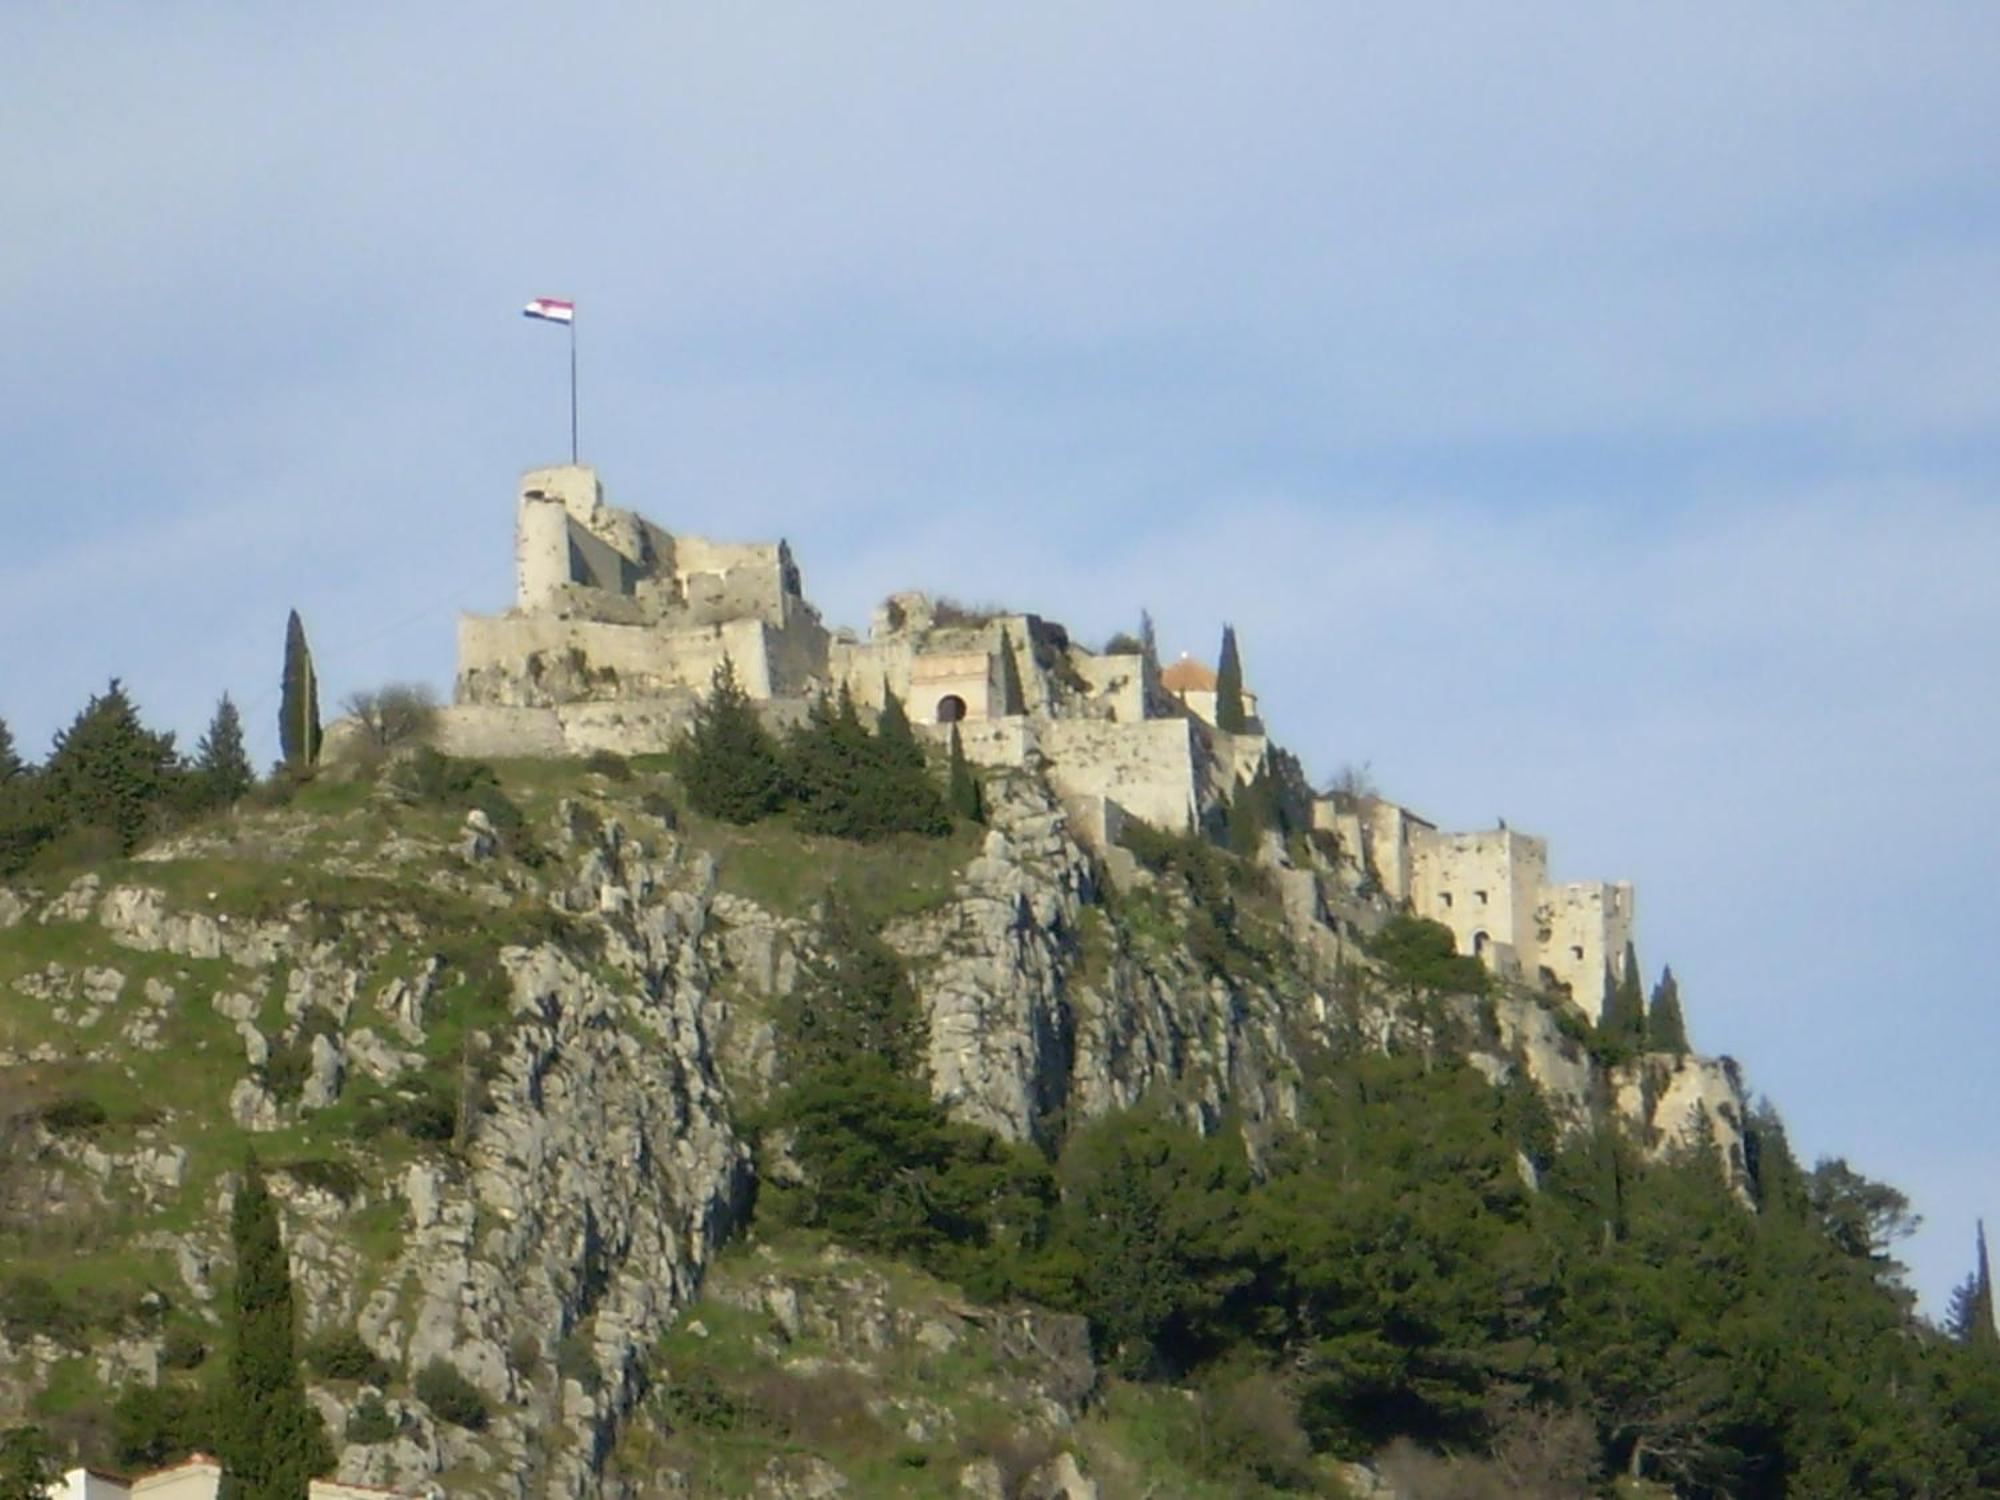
(618, 626)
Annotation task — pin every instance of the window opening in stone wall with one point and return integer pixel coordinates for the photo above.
(1576, 951)
(1479, 945)
(1480, 897)
(1444, 900)
(950, 709)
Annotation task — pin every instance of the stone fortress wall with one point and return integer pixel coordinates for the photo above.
(618, 627)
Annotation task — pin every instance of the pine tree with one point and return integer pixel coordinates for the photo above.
(962, 792)
(298, 708)
(849, 784)
(1666, 1027)
(109, 771)
(1970, 1319)
(1013, 700)
(729, 765)
(273, 1439)
(1230, 714)
(10, 761)
(221, 765)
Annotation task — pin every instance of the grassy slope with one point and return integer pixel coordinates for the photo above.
(379, 881)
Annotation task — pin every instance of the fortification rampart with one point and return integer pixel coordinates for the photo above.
(619, 626)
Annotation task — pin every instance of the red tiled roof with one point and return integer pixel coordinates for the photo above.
(1187, 676)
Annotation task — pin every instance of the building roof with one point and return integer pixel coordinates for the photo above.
(1187, 676)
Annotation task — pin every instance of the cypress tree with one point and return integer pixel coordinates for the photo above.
(1013, 700)
(1970, 1320)
(963, 791)
(1624, 1020)
(273, 1439)
(221, 765)
(1666, 1027)
(1230, 714)
(1250, 813)
(298, 706)
(1624, 1003)
(728, 762)
(109, 771)
(10, 762)
(893, 733)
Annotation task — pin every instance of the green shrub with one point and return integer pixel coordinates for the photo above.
(370, 1422)
(340, 1354)
(525, 1354)
(608, 763)
(157, 1425)
(1422, 954)
(698, 1400)
(182, 1349)
(31, 1305)
(75, 1114)
(575, 1361)
(327, 1174)
(428, 778)
(452, 1397)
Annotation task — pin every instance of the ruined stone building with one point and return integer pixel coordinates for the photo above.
(618, 626)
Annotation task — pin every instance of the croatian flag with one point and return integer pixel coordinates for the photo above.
(551, 309)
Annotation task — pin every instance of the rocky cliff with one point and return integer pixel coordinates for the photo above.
(498, 1080)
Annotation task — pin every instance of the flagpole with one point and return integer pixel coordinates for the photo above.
(572, 389)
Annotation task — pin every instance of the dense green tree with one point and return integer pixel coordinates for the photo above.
(222, 770)
(273, 1441)
(872, 1159)
(1230, 711)
(852, 784)
(108, 771)
(1666, 1027)
(728, 763)
(156, 1425)
(27, 821)
(29, 1464)
(867, 1154)
(1860, 1217)
(11, 764)
(1153, 1214)
(1970, 1317)
(1252, 811)
(962, 789)
(853, 999)
(1013, 700)
(1419, 954)
(1412, 1283)
(1623, 1023)
(895, 740)
(298, 700)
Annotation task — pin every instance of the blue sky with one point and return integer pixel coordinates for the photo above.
(1585, 413)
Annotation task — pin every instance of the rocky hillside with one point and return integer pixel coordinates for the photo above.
(503, 1074)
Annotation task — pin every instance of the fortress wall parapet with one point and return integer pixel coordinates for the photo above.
(1485, 887)
(1115, 684)
(1587, 925)
(1151, 769)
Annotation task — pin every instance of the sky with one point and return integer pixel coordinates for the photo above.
(1587, 414)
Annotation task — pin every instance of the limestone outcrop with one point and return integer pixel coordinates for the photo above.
(498, 1093)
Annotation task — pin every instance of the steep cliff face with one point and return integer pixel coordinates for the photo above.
(499, 1092)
